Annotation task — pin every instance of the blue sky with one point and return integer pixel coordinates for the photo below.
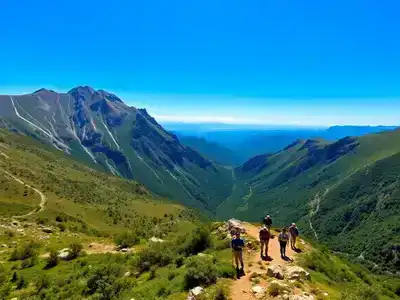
(275, 61)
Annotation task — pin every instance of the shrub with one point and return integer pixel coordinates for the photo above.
(42, 282)
(226, 270)
(62, 227)
(275, 289)
(53, 259)
(127, 239)
(21, 283)
(14, 277)
(197, 241)
(200, 271)
(25, 251)
(106, 282)
(158, 254)
(29, 262)
(76, 249)
(221, 293)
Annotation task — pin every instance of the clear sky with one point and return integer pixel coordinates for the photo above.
(272, 61)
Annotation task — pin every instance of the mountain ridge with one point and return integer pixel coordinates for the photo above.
(97, 127)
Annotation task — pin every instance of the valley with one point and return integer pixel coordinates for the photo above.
(92, 171)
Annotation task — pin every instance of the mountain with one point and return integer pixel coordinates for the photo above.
(344, 193)
(212, 150)
(68, 231)
(249, 142)
(98, 128)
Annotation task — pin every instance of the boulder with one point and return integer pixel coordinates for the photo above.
(236, 225)
(124, 250)
(258, 291)
(275, 271)
(127, 274)
(64, 253)
(4, 246)
(156, 240)
(195, 292)
(297, 273)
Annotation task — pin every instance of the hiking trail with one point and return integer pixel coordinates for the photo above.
(43, 198)
(241, 288)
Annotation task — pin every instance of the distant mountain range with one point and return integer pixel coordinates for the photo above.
(344, 193)
(98, 128)
(248, 142)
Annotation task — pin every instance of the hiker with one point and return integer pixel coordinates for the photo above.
(294, 233)
(237, 245)
(268, 222)
(283, 239)
(264, 240)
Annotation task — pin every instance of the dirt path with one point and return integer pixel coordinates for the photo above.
(43, 198)
(241, 289)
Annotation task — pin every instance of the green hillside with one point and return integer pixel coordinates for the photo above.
(343, 193)
(49, 202)
(97, 128)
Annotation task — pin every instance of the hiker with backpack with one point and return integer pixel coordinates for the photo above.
(237, 245)
(283, 239)
(264, 240)
(267, 221)
(294, 233)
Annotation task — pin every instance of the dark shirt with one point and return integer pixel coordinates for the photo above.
(267, 221)
(237, 244)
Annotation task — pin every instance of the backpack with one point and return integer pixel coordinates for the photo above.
(264, 234)
(267, 221)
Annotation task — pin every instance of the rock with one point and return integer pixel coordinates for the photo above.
(236, 225)
(297, 273)
(91, 245)
(47, 230)
(195, 292)
(15, 223)
(275, 271)
(326, 294)
(258, 291)
(301, 297)
(156, 240)
(124, 250)
(204, 255)
(127, 274)
(4, 246)
(64, 253)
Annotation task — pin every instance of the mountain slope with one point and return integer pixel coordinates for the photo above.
(97, 128)
(212, 150)
(343, 193)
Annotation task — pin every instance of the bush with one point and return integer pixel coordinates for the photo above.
(29, 262)
(53, 259)
(200, 271)
(62, 227)
(25, 251)
(76, 249)
(106, 282)
(197, 241)
(21, 283)
(275, 289)
(127, 239)
(42, 282)
(156, 255)
(226, 271)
